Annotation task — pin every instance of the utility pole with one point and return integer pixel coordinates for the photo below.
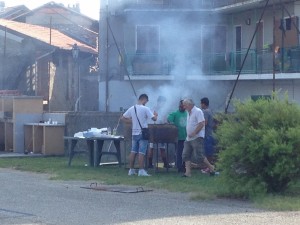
(103, 54)
(274, 47)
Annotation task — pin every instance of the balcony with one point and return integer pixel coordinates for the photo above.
(257, 62)
(194, 5)
(167, 4)
(222, 3)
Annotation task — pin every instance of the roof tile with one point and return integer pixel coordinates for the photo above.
(40, 33)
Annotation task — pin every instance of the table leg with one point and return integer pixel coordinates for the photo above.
(71, 146)
(156, 163)
(90, 145)
(98, 152)
(167, 156)
(117, 145)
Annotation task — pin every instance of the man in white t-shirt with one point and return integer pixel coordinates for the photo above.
(193, 145)
(138, 115)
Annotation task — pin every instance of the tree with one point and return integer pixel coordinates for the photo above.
(260, 146)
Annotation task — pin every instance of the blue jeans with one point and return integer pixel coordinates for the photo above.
(139, 145)
(179, 163)
(209, 146)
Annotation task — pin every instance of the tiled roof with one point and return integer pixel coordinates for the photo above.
(12, 12)
(40, 33)
(47, 7)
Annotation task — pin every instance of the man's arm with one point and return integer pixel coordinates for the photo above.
(154, 118)
(125, 119)
(171, 118)
(198, 128)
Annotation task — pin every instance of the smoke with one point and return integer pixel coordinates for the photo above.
(183, 39)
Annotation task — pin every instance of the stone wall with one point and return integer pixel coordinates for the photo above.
(82, 121)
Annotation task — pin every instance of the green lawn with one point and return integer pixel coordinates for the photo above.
(199, 186)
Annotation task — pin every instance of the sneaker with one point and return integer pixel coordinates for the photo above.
(143, 173)
(131, 172)
(214, 173)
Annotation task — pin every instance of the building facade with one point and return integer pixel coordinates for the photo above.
(222, 49)
(37, 61)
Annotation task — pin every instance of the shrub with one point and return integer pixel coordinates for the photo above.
(260, 146)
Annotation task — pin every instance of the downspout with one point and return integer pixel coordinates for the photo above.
(282, 38)
(4, 59)
(50, 41)
(107, 75)
(36, 71)
(103, 70)
(273, 49)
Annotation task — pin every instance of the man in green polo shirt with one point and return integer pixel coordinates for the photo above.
(178, 118)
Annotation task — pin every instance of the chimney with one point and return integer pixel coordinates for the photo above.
(77, 7)
(2, 6)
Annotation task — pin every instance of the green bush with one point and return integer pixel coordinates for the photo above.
(260, 146)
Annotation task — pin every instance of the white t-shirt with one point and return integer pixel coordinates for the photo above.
(193, 120)
(143, 113)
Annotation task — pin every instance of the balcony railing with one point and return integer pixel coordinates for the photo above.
(181, 4)
(168, 4)
(221, 3)
(257, 62)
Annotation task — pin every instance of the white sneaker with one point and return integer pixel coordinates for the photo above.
(131, 172)
(143, 173)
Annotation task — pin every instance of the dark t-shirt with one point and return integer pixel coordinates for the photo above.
(208, 115)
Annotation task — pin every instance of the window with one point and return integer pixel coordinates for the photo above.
(285, 24)
(147, 39)
(150, 1)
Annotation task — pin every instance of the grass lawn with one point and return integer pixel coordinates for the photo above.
(199, 186)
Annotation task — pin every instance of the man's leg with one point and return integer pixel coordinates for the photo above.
(141, 160)
(150, 155)
(186, 157)
(164, 157)
(188, 171)
(131, 160)
(180, 165)
(210, 166)
(198, 145)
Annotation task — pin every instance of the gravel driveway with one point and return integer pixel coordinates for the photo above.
(30, 198)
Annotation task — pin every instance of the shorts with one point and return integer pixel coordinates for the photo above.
(160, 145)
(193, 150)
(139, 145)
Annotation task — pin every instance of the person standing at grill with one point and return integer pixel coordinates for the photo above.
(209, 141)
(178, 118)
(162, 119)
(193, 145)
(139, 145)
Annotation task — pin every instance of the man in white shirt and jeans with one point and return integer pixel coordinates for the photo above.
(193, 145)
(139, 145)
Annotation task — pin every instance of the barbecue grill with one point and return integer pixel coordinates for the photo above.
(159, 133)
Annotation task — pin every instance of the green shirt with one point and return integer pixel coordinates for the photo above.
(179, 120)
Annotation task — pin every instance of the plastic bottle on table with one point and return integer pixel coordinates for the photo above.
(114, 131)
